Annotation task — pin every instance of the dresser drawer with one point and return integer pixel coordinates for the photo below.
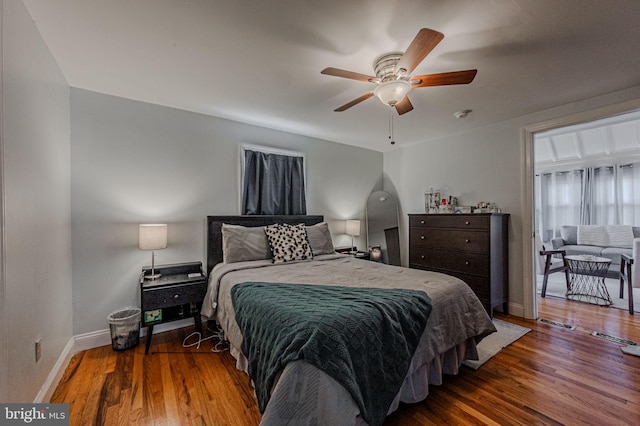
(463, 239)
(479, 285)
(165, 297)
(452, 261)
(450, 221)
(472, 247)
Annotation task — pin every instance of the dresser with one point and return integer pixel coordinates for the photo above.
(472, 247)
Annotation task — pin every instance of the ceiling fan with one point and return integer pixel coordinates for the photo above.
(392, 74)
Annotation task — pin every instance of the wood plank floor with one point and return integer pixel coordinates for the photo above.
(551, 376)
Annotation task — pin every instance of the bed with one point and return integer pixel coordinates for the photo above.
(302, 392)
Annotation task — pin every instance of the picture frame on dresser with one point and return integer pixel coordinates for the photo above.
(472, 247)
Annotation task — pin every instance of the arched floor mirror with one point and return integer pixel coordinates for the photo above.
(382, 227)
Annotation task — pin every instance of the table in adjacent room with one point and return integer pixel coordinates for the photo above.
(588, 275)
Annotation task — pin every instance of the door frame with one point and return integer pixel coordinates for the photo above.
(528, 240)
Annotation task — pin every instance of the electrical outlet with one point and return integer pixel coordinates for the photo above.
(38, 349)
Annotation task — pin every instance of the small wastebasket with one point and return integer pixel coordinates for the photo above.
(125, 328)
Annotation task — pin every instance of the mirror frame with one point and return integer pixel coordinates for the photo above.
(385, 232)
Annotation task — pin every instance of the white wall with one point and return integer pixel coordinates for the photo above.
(486, 164)
(36, 188)
(133, 162)
(4, 328)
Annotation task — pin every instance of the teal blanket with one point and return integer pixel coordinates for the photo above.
(362, 337)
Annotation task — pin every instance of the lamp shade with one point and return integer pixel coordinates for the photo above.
(353, 228)
(152, 236)
(392, 92)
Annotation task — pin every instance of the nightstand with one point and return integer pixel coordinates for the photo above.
(353, 252)
(177, 294)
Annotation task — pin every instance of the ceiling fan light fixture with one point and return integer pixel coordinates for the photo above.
(392, 92)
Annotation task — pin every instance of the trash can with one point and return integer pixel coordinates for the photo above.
(125, 328)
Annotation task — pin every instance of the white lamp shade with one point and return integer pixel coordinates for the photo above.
(353, 228)
(152, 236)
(392, 92)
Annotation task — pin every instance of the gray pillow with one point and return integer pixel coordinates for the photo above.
(569, 234)
(319, 238)
(242, 243)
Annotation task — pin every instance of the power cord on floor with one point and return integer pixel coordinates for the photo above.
(221, 346)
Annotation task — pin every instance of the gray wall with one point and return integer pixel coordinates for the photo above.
(36, 189)
(486, 164)
(133, 162)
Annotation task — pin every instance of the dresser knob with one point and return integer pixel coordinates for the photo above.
(422, 222)
(467, 241)
(175, 296)
(466, 263)
(466, 222)
(422, 237)
(422, 257)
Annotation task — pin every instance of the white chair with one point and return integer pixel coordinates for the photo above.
(548, 264)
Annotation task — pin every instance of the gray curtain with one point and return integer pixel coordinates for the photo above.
(273, 184)
(601, 204)
(588, 197)
(559, 198)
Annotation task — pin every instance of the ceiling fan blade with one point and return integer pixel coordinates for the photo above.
(349, 74)
(404, 106)
(354, 102)
(443, 79)
(422, 44)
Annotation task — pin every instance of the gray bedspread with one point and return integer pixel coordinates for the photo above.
(456, 323)
(362, 337)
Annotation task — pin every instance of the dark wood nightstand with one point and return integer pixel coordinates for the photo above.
(177, 294)
(353, 252)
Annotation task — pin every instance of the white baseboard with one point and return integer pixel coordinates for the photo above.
(516, 309)
(50, 385)
(93, 339)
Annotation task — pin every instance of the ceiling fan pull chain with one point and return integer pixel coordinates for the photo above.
(391, 139)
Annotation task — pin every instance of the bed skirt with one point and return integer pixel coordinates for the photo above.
(327, 402)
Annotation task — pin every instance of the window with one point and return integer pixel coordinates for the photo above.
(629, 193)
(608, 195)
(559, 200)
(273, 181)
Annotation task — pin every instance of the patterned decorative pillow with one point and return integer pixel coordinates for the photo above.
(288, 242)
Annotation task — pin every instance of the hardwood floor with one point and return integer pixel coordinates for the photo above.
(551, 376)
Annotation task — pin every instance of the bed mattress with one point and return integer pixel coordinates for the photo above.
(456, 324)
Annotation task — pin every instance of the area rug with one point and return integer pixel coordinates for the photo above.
(557, 286)
(494, 343)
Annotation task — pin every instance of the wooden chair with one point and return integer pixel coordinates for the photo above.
(626, 265)
(552, 264)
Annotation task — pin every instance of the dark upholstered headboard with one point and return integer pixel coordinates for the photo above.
(214, 230)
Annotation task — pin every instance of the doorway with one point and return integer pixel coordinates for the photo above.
(529, 228)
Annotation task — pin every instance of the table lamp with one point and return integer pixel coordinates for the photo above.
(353, 229)
(152, 237)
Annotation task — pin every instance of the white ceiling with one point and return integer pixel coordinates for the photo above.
(613, 140)
(259, 61)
